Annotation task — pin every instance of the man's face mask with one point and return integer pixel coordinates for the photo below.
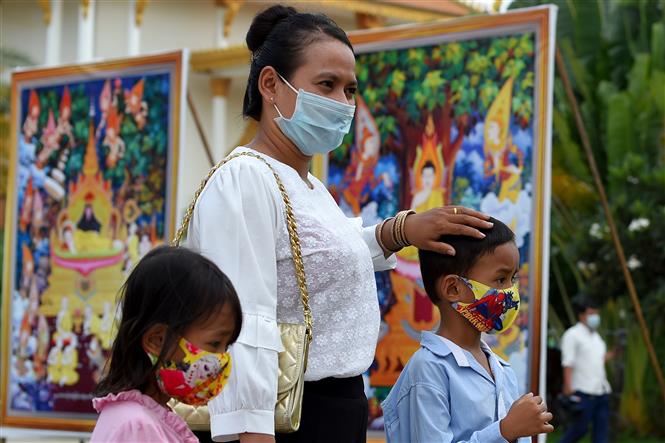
(494, 310)
(198, 378)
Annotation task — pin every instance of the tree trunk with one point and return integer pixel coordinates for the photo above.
(411, 134)
(449, 149)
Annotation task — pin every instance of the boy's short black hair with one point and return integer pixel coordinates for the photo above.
(468, 250)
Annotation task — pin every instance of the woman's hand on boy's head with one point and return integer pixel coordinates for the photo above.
(527, 416)
(424, 229)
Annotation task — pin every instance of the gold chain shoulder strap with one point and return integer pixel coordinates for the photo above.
(290, 225)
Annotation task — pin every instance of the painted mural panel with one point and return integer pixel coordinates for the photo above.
(92, 191)
(447, 120)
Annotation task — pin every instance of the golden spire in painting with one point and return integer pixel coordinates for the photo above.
(91, 162)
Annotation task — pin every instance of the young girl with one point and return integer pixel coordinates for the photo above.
(179, 314)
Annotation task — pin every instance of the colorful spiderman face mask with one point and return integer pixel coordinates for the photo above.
(195, 380)
(494, 310)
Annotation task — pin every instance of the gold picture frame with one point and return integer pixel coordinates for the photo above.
(93, 173)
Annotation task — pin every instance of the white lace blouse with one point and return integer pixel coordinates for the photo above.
(239, 223)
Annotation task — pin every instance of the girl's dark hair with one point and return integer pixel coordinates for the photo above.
(278, 37)
(173, 286)
(468, 250)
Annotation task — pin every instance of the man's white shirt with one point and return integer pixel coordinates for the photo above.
(583, 350)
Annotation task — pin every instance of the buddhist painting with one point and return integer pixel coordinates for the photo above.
(92, 190)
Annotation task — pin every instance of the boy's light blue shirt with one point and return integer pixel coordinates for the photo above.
(444, 395)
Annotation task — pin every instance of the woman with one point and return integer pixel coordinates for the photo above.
(301, 90)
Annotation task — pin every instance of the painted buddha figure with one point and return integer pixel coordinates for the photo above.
(429, 196)
(87, 236)
(427, 172)
(88, 221)
(428, 193)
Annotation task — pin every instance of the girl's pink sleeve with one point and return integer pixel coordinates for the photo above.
(127, 427)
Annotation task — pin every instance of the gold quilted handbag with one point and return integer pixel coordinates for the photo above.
(296, 337)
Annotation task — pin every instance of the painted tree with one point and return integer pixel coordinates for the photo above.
(454, 82)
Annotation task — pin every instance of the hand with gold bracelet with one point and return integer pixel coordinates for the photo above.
(423, 230)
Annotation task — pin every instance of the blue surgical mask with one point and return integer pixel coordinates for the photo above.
(318, 124)
(593, 321)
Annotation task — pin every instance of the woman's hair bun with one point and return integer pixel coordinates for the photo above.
(278, 37)
(264, 22)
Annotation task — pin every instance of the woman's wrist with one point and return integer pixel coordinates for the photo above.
(391, 233)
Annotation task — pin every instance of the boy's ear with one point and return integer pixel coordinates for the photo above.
(449, 288)
(153, 339)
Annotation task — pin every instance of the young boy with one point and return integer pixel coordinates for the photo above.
(454, 389)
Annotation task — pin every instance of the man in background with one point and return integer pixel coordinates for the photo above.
(583, 357)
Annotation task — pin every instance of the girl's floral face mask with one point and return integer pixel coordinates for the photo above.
(198, 378)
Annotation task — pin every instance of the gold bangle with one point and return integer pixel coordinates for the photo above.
(399, 236)
(402, 231)
(380, 234)
(397, 229)
(394, 231)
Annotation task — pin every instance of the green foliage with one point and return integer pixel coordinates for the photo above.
(615, 55)
(451, 71)
(452, 83)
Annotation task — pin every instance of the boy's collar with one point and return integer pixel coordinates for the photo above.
(443, 347)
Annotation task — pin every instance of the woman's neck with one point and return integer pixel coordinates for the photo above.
(272, 142)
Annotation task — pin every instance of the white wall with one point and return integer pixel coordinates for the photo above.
(171, 25)
(69, 41)
(111, 25)
(22, 28)
(194, 161)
